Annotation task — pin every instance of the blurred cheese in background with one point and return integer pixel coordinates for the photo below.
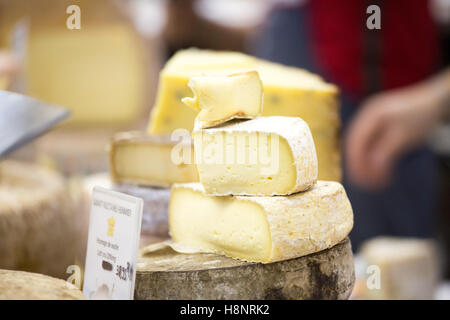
(19, 285)
(104, 72)
(96, 72)
(74, 151)
(39, 225)
(287, 92)
(408, 268)
(154, 226)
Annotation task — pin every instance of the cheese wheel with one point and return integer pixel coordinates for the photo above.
(261, 229)
(39, 230)
(19, 285)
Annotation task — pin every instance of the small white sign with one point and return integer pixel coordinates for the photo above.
(114, 232)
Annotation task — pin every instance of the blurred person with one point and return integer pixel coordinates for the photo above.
(390, 124)
(186, 28)
(390, 101)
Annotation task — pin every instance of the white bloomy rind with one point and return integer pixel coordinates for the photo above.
(293, 129)
(299, 224)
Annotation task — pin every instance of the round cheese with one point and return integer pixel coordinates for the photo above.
(38, 222)
(260, 229)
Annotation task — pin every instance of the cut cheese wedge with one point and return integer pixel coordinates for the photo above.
(158, 161)
(260, 229)
(222, 98)
(263, 157)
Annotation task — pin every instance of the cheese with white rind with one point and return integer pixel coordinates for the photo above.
(261, 157)
(261, 229)
(162, 273)
(222, 98)
(140, 159)
(19, 285)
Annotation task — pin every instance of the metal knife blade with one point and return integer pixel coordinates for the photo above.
(22, 119)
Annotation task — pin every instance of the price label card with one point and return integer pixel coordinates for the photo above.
(113, 241)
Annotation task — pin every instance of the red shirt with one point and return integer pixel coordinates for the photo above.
(407, 42)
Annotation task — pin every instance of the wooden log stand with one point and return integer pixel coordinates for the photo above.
(166, 274)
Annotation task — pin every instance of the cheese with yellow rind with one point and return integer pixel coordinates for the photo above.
(288, 91)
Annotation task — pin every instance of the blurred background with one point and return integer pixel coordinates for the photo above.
(394, 88)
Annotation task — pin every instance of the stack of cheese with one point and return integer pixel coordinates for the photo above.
(141, 165)
(288, 92)
(258, 199)
(148, 165)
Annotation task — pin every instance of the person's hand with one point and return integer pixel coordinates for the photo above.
(7, 63)
(8, 67)
(388, 125)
